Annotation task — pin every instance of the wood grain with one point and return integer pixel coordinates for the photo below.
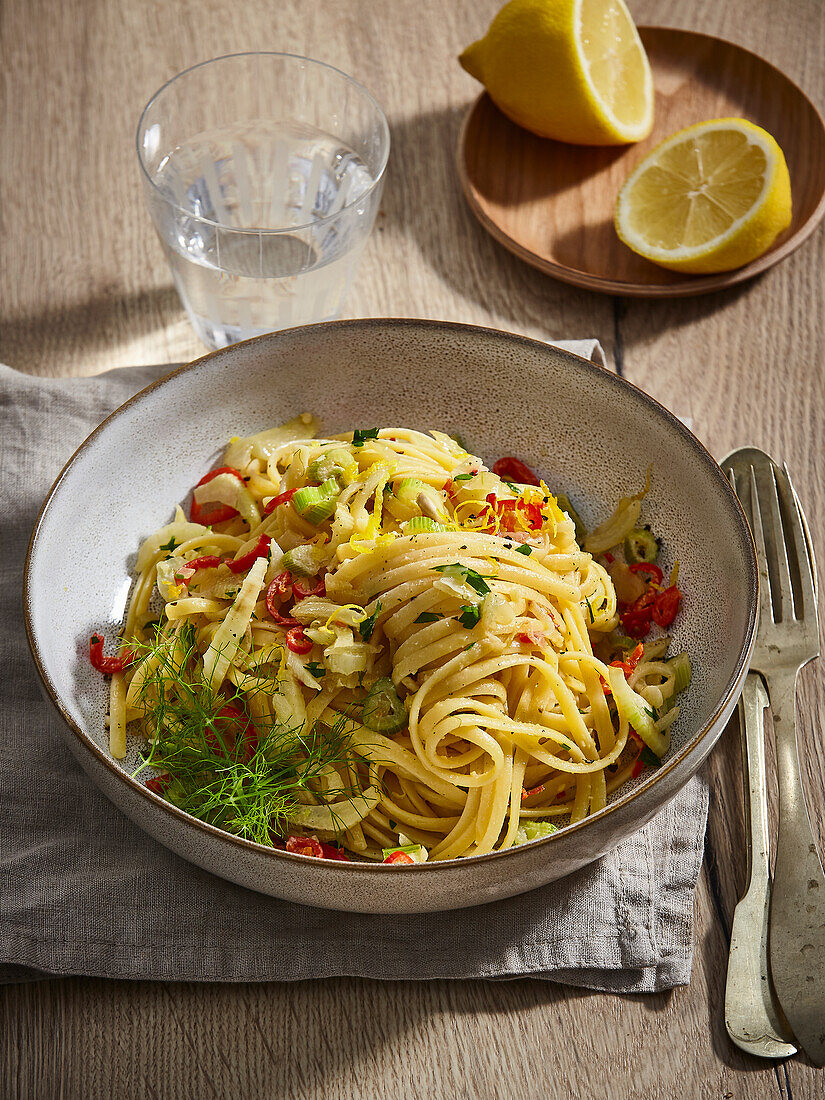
(84, 287)
(552, 204)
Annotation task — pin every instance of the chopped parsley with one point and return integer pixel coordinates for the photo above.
(366, 627)
(524, 549)
(463, 574)
(361, 435)
(470, 614)
(463, 477)
(513, 487)
(170, 546)
(317, 670)
(590, 609)
(428, 617)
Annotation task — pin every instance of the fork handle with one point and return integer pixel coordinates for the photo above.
(797, 916)
(750, 1014)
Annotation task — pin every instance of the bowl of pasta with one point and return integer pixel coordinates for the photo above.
(391, 615)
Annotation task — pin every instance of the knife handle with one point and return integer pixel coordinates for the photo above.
(797, 916)
(751, 1018)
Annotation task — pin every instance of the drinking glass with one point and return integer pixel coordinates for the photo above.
(262, 173)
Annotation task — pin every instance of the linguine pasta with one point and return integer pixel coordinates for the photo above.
(444, 621)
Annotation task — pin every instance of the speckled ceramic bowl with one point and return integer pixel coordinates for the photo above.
(583, 428)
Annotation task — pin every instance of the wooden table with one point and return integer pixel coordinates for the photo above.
(85, 288)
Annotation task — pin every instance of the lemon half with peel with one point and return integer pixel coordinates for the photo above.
(573, 70)
(711, 198)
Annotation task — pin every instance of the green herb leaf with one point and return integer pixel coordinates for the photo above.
(366, 627)
(170, 546)
(361, 435)
(463, 574)
(470, 614)
(524, 549)
(463, 477)
(428, 617)
(590, 609)
(649, 758)
(316, 669)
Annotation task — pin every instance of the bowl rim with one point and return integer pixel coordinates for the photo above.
(437, 866)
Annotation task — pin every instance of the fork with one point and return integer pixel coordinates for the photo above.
(788, 638)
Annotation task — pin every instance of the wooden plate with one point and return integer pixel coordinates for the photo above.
(552, 204)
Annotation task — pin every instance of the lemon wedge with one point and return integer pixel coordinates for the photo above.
(573, 70)
(710, 198)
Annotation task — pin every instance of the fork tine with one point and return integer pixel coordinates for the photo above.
(809, 542)
(765, 603)
(801, 541)
(787, 611)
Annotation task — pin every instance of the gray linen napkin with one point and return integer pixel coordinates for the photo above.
(84, 891)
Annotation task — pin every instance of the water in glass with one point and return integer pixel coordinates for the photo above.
(222, 189)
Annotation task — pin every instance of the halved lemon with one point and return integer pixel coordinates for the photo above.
(573, 70)
(711, 198)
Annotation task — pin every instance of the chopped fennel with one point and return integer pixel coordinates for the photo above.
(226, 489)
(241, 451)
(224, 646)
(533, 830)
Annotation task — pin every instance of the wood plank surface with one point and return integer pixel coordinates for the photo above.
(84, 288)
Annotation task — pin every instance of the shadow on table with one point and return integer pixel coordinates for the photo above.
(422, 171)
(313, 1038)
(98, 323)
(424, 150)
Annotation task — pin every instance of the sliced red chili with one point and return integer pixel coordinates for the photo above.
(513, 469)
(108, 665)
(261, 550)
(649, 567)
(666, 606)
(637, 626)
(329, 851)
(533, 514)
(209, 561)
(399, 857)
(276, 593)
(281, 498)
(531, 792)
(214, 513)
(159, 784)
(209, 514)
(297, 641)
(629, 666)
(304, 846)
(636, 619)
(638, 768)
(220, 470)
(301, 591)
